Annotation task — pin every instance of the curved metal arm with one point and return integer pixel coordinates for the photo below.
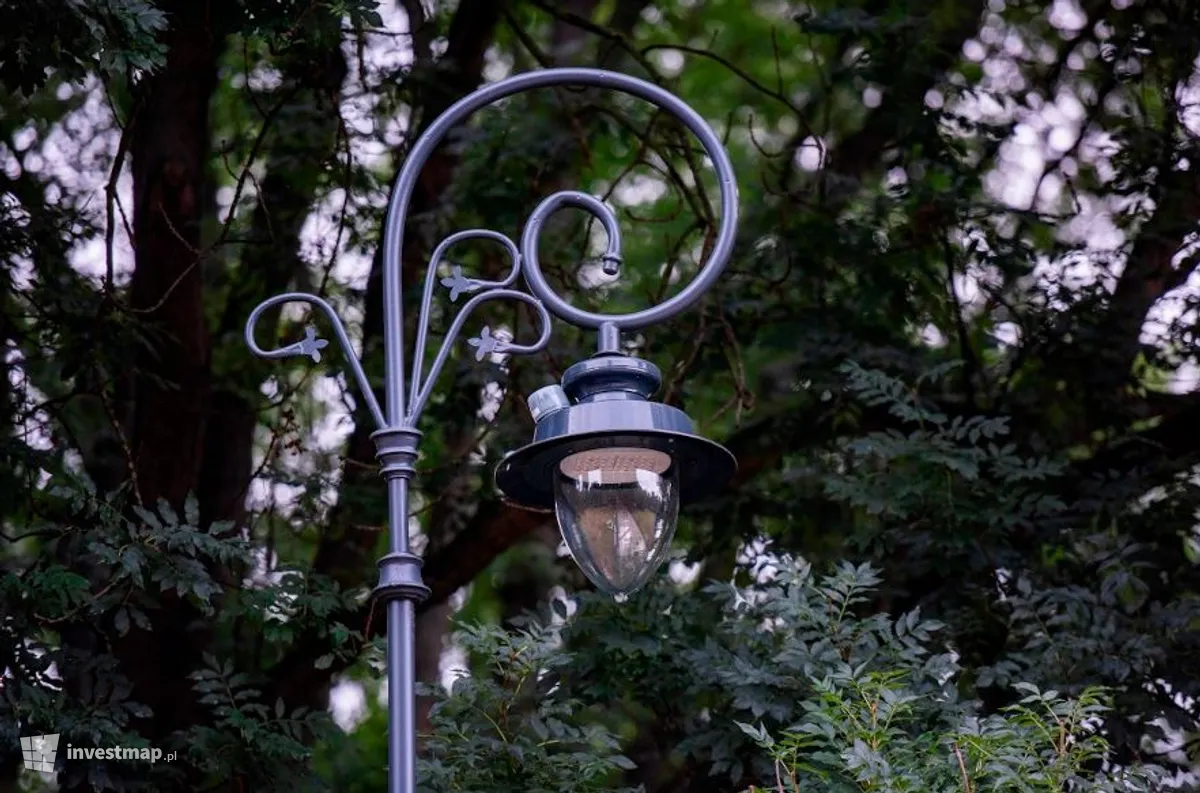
(458, 284)
(484, 344)
(406, 182)
(312, 345)
(533, 230)
(542, 296)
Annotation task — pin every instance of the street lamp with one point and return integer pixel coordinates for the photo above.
(614, 465)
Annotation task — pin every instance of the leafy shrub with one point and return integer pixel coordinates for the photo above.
(794, 686)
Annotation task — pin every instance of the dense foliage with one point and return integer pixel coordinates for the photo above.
(954, 355)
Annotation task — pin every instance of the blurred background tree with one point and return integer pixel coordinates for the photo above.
(955, 342)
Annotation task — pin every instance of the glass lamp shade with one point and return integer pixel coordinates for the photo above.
(617, 509)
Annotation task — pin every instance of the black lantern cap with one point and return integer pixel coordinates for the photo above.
(603, 404)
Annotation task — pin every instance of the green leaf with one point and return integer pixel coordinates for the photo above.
(191, 510)
(121, 621)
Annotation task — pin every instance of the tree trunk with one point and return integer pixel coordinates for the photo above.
(169, 150)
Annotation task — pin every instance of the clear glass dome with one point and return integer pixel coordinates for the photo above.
(617, 510)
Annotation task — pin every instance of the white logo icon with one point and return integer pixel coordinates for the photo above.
(40, 752)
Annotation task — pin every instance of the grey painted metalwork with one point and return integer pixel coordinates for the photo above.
(608, 407)
(547, 400)
(397, 436)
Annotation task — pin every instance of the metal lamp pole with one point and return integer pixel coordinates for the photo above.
(611, 427)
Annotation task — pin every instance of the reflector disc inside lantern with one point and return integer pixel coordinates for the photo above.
(617, 509)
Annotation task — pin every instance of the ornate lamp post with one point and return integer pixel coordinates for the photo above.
(613, 464)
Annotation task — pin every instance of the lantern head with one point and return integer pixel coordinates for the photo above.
(614, 466)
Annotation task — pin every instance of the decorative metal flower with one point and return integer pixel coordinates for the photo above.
(310, 345)
(458, 284)
(486, 343)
